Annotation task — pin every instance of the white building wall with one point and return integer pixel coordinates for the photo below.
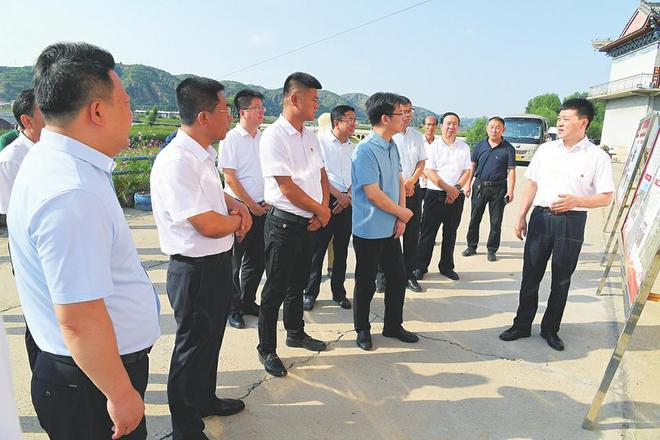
(620, 123)
(634, 63)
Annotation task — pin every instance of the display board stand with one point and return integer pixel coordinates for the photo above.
(645, 138)
(638, 246)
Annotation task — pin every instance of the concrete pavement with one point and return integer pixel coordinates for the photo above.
(460, 381)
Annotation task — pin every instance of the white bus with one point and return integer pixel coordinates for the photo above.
(526, 133)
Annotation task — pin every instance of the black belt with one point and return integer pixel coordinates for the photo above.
(204, 259)
(490, 182)
(547, 210)
(126, 359)
(284, 215)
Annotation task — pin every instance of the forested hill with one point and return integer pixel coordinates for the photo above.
(150, 87)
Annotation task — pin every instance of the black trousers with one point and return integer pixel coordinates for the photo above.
(200, 291)
(288, 252)
(436, 213)
(369, 253)
(338, 227)
(248, 264)
(411, 234)
(68, 404)
(493, 196)
(548, 234)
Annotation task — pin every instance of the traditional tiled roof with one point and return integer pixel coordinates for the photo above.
(643, 28)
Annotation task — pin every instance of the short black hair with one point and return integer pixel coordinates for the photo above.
(497, 118)
(300, 79)
(381, 103)
(23, 105)
(450, 114)
(243, 99)
(338, 112)
(196, 94)
(583, 107)
(68, 75)
(405, 100)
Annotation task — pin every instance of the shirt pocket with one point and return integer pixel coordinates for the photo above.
(583, 177)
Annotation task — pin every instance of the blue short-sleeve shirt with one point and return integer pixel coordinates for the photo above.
(374, 161)
(70, 243)
(493, 163)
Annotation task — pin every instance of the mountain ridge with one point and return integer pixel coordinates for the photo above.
(149, 86)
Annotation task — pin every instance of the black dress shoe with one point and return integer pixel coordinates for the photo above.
(272, 364)
(308, 302)
(402, 335)
(223, 407)
(491, 256)
(364, 340)
(553, 340)
(306, 342)
(469, 251)
(452, 275)
(236, 320)
(413, 285)
(513, 333)
(251, 309)
(419, 274)
(344, 303)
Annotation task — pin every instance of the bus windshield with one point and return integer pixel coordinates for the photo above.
(523, 130)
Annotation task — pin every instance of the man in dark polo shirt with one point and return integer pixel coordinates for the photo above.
(494, 169)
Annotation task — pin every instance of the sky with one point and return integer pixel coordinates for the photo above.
(476, 58)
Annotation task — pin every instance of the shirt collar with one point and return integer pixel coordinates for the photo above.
(290, 129)
(243, 132)
(25, 140)
(77, 149)
(188, 143)
(382, 143)
(582, 145)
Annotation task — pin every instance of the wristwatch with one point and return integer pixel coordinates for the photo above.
(458, 187)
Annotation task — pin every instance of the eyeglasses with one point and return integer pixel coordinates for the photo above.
(259, 108)
(225, 109)
(404, 113)
(350, 120)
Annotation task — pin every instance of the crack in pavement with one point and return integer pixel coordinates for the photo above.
(469, 350)
(18, 306)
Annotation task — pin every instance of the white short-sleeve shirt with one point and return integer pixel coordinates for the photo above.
(429, 148)
(449, 161)
(583, 170)
(287, 152)
(240, 151)
(337, 159)
(10, 161)
(185, 183)
(411, 150)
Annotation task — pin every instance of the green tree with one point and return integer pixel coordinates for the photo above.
(477, 132)
(547, 100)
(152, 115)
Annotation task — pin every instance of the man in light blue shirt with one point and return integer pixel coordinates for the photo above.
(379, 219)
(87, 300)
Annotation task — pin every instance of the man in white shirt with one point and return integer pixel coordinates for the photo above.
(89, 303)
(410, 144)
(448, 171)
(30, 122)
(196, 224)
(239, 161)
(296, 187)
(336, 150)
(430, 144)
(566, 178)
